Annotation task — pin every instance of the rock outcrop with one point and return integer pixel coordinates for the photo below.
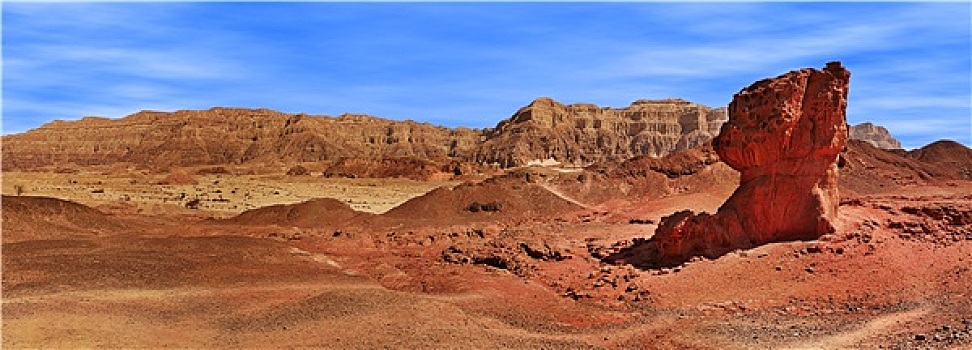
(585, 133)
(874, 134)
(546, 129)
(784, 136)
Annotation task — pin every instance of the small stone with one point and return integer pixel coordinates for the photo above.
(809, 270)
(779, 268)
(920, 337)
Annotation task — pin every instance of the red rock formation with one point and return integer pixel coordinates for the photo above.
(784, 136)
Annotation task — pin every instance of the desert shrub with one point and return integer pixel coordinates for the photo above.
(193, 204)
(476, 207)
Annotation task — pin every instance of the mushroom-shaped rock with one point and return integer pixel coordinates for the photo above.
(784, 136)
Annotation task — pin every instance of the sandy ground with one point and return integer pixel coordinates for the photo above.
(897, 275)
(219, 193)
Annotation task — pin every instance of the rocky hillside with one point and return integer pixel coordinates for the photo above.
(875, 135)
(545, 129)
(229, 136)
(586, 133)
(580, 133)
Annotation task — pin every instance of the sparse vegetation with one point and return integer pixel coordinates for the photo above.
(193, 204)
(476, 207)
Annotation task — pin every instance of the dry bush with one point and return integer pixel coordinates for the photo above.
(476, 207)
(193, 204)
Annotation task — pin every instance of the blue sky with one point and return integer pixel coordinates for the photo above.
(473, 64)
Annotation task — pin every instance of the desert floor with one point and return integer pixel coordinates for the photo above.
(149, 272)
(218, 193)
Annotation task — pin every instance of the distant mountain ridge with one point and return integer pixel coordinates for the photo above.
(578, 134)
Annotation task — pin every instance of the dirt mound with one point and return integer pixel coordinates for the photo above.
(495, 199)
(866, 169)
(948, 154)
(178, 177)
(49, 216)
(310, 214)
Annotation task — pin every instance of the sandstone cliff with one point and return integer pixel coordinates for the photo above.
(875, 135)
(546, 129)
(585, 133)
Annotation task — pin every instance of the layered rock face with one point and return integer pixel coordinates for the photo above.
(579, 134)
(875, 135)
(230, 136)
(585, 133)
(784, 136)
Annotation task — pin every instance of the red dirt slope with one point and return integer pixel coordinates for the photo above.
(27, 217)
(309, 214)
(948, 154)
(866, 169)
(496, 199)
